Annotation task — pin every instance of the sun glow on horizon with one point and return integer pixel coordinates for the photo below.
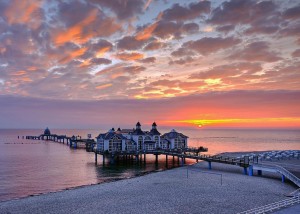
(243, 122)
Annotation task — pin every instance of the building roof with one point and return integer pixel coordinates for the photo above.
(110, 135)
(154, 132)
(47, 131)
(173, 134)
(138, 132)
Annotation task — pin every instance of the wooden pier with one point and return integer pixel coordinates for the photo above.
(180, 154)
(74, 141)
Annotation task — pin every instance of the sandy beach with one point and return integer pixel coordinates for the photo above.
(163, 192)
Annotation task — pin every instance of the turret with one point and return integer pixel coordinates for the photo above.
(154, 126)
(138, 125)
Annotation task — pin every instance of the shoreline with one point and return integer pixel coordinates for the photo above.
(232, 154)
(150, 185)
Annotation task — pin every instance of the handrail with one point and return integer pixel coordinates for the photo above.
(283, 171)
(273, 206)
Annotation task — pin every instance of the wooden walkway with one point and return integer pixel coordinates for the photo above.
(73, 142)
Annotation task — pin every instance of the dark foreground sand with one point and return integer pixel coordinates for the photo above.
(163, 192)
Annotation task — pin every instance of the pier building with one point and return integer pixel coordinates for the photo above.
(137, 139)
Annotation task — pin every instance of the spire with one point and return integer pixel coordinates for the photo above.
(138, 125)
(154, 125)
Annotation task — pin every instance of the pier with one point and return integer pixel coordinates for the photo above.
(73, 142)
(138, 153)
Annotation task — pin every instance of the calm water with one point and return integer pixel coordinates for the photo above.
(30, 166)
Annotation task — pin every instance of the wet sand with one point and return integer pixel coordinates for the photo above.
(168, 191)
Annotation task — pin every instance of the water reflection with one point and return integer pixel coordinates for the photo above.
(30, 167)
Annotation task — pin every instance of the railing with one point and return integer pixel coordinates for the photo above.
(274, 206)
(282, 171)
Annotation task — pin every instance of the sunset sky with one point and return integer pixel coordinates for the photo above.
(102, 63)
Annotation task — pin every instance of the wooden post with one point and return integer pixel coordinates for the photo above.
(245, 171)
(259, 172)
(96, 158)
(250, 170)
(156, 159)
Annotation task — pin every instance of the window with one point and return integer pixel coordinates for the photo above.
(150, 146)
(140, 142)
(176, 141)
(156, 139)
(115, 144)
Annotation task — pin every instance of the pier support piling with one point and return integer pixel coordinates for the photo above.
(250, 170)
(259, 172)
(209, 164)
(245, 171)
(96, 158)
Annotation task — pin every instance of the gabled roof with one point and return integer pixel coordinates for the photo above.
(154, 132)
(173, 134)
(138, 132)
(110, 135)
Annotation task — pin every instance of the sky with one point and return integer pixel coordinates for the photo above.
(100, 63)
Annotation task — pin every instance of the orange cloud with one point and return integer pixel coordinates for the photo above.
(104, 86)
(24, 12)
(146, 33)
(19, 73)
(75, 33)
(72, 55)
(102, 51)
(129, 56)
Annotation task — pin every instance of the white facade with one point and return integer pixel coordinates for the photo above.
(138, 140)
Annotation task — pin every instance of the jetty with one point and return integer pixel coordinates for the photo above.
(133, 145)
(73, 141)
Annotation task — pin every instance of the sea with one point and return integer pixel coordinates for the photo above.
(32, 167)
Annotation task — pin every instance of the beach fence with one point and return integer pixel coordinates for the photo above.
(274, 206)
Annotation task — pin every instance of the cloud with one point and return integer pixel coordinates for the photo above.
(24, 12)
(192, 11)
(80, 23)
(123, 9)
(241, 12)
(296, 53)
(119, 70)
(107, 85)
(100, 61)
(129, 56)
(130, 43)
(228, 70)
(225, 28)
(292, 13)
(208, 45)
(262, 17)
(183, 52)
(148, 60)
(182, 61)
(146, 32)
(256, 51)
(167, 29)
(155, 45)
